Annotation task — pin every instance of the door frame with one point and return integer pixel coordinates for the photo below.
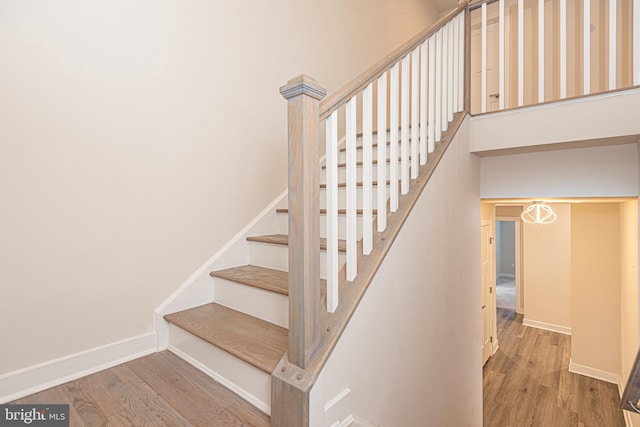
(519, 272)
(491, 310)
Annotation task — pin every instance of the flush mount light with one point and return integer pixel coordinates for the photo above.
(538, 213)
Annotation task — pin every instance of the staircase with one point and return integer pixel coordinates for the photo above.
(265, 330)
(241, 336)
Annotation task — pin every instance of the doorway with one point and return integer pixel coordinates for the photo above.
(509, 284)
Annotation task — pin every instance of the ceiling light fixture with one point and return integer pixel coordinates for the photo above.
(538, 213)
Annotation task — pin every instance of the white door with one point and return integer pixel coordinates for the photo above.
(487, 287)
(492, 66)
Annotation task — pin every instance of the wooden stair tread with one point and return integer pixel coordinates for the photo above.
(253, 340)
(358, 184)
(283, 239)
(360, 163)
(258, 277)
(359, 147)
(324, 211)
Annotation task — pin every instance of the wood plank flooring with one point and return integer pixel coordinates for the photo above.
(528, 383)
(156, 390)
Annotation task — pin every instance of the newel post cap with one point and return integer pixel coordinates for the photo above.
(303, 85)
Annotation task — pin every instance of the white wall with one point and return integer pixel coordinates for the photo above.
(547, 272)
(506, 248)
(595, 287)
(629, 330)
(137, 137)
(411, 353)
(578, 172)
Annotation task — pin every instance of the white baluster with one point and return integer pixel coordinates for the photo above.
(586, 54)
(483, 73)
(367, 169)
(351, 194)
(431, 127)
(612, 43)
(381, 140)
(501, 91)
(455, 46)
(461, 72)
(404, 130)
(423, 103)
(438, 104)
(636, 42)
(332, 211)
(450, 81)
(563, 49)
(393, 139)
(540, 50)
(521, 53)
(445, 79)
(415, 110)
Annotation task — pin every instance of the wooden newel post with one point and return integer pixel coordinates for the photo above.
(304, 95)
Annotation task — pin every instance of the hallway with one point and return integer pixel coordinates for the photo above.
(528, 383)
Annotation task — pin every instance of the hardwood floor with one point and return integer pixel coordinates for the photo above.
(156, 390)
(528, 383)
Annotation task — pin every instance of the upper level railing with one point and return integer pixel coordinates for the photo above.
(526, 52)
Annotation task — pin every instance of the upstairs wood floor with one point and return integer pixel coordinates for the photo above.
(528, 383)
(156, 390)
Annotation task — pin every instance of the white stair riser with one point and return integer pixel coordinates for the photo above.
(283, 221)
(265, 305)
(342, 197)
(249, 382)
(342, 173)
(342, 155)
(277, 257)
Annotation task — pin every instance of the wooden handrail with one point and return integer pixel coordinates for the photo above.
(336, 100)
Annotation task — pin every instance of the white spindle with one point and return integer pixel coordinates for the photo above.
(521, 53)
(351, 195)
(461, 50)
(501, 23)
(636, 42)
(586, 54)
(393, 140)
(449, 72)
(423, 103)
(540, 50)
(431, 127)
(612, 43)
(438, 104)
(563, 49)
(367, 169)
(445, 79)
(415, 110)
(332, 211)
(483, 73)
(454, 82)
(404, 128)
(381, 141)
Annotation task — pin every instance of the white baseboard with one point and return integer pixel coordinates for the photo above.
(547, 326)
(27, 381)
(361, 422)
(627, 415)
(337, 411)
(598, 374)
(506, 276)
